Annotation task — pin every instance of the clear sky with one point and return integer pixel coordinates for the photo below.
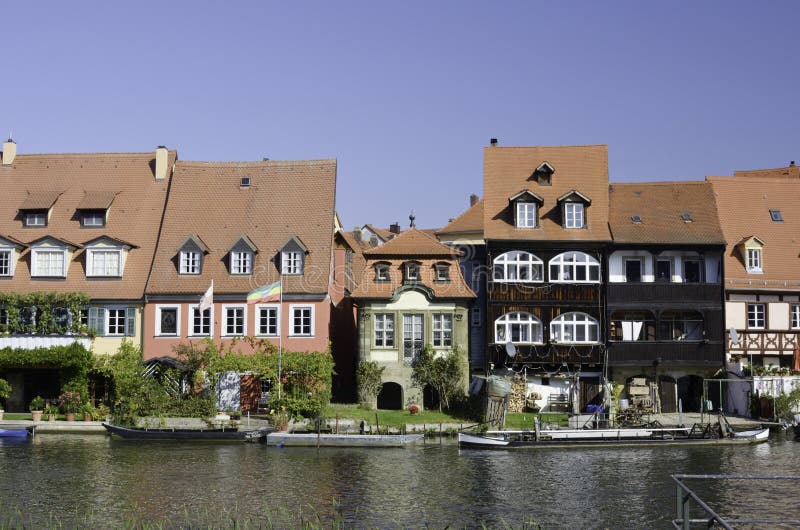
(406, 94)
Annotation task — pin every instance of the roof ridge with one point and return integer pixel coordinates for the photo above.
(97, 154)
(443, 230)
(205, 163)
(542, 146)
(658, 182)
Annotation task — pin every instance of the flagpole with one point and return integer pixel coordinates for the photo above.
(280, 331)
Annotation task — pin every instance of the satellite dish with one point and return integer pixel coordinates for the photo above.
(734, 337)
(511, 350)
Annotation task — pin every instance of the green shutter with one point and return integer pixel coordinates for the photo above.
(97, 320)
(130, 322)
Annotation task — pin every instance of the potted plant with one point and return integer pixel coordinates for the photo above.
(51, 412)
(88, 411)
(70, 403)
(36, 407)
(101, 412)
(413, 409)
(5, 391)
(279, 418)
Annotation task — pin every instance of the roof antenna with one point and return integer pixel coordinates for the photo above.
(411, 217)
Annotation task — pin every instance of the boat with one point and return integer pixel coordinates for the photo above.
(561, 438)
(16, 431)
(189, 434)
(294, 439)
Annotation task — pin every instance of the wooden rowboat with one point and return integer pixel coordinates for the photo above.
(189, 434)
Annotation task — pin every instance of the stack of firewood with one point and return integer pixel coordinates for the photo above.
(516, 401)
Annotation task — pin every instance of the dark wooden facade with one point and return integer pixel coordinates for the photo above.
(546, 301)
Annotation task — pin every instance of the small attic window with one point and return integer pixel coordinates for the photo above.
(636, 219)
(244, 182)
(686, 217)
(543, 174)
(776, 216)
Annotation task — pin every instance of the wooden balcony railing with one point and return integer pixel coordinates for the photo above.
(758, 342)
(649, 353)
(663, 292)
(548, 354)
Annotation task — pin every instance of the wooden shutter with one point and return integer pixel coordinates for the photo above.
(130, 322)
(97, 320)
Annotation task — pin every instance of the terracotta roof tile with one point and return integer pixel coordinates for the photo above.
(507, 170)
(412, 242)
(40, 200)
(469, 221)
(744, 205)
(134, 216)
(368, 288)
(285, 199)
(660, 206)
(96, 200)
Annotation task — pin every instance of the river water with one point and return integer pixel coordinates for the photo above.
(97, 481)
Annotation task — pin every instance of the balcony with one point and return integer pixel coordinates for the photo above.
(648, 353)
(547, 354)
(544, 292)
(628, 294)
(763, 342)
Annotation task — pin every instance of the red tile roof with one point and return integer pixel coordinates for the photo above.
(507, 170)
(285, 199)
(469, 221)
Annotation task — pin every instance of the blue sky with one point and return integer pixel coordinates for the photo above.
(406, 94)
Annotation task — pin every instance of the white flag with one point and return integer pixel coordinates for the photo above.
(208, 299)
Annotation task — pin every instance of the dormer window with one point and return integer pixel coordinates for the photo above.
(93, 218)
(291, 262)
(526, 215)
(381, 272)
(293, 254)
(103, 262)
(573, 215)
(36, 218)
(190, 255)
(49, 262)
(412, 271)
(241, 262)
(754, 260)
(544, 174)
(573, 209)
(190, 261)
(442, 272)
(6, 261)
(525, 206)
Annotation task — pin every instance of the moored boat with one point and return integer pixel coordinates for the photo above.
(189, 434)
(561, 438)
(16, 431)
(290, 439)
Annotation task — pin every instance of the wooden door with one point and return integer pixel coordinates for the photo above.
(250, 392)
(590, 393)
(667, 393)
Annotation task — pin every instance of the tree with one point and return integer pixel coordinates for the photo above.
(369, 376)
(443, 373)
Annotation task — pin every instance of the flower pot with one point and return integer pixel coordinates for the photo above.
(87, 416)
(70, 416)
(36, 415)
(51, 417)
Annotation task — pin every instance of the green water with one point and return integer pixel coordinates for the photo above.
(96, 481)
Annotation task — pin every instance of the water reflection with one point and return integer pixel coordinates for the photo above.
(101, 482)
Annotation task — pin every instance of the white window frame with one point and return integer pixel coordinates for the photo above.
(193, 309)
(526, 323)
(442, 272)
(757, 316)
(159, 309)
(572, 321)
(35, 257)
(91, 255)
(293, 316)
(241, 262)
(382, 333)
(441, 326)
(190, 261)
(581, 260)
(9, 259)
(381, 272)
(516, 261)
(291, 262)
(257, 324)
(89, 218)
(794, 315)
(574, 215)
(32, 218)
(526, 215)
(754, 261)
(407, 272)
(224, 324)
(108, 310)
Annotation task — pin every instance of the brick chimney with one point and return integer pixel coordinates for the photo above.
(9, 152)
(161, 162)
(473, 199)
(357, 234)
(394, 228)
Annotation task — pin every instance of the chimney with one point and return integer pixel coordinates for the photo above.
(791, 164)
(357, 234)
(493, 141)
(373, 241)
(473, 199)
(9, 151)
(161, 162)
(394, 228)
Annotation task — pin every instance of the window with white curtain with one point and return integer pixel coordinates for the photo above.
(575, 328)
(519, 328)
(518, 266)
(574, 267)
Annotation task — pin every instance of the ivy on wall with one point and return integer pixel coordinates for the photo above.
(73, 360)
(43, 313)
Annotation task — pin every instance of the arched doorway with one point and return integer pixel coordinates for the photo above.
(390, 397)
(690, 392)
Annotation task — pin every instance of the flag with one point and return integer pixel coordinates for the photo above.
(267, 293)
(208, 299)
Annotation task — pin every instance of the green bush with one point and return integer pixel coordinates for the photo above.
(37, 403)
(5, 389)
(369, 375)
